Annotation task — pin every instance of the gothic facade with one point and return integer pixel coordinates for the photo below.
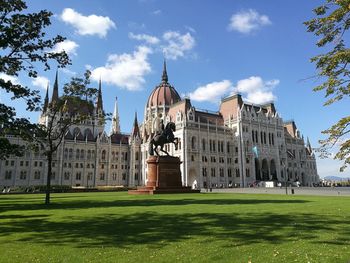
(238, 146)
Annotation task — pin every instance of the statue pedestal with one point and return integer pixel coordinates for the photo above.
(164, 176)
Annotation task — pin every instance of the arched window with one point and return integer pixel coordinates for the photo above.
(89, 154)
(77, 154)
(193, 143)
(228, 147)
(137, 156)
(70, 153)
(82, 154)
(203, 144)
(104, 155)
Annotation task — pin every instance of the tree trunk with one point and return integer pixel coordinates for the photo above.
(48, 183)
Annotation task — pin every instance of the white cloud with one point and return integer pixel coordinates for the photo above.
(40, 82)
(157, 12)
(211, 92)
(125, 70)
(14, 80)
(247, 21)
(87, 25)
(68, 45)
(143, 37)
(177, 45)
(68, 72)
(256, 89)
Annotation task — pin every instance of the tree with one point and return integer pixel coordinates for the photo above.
(331, 25)
(23, 47)
(72, 108)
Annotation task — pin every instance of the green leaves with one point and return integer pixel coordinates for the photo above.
(23, 48)
(331, 23)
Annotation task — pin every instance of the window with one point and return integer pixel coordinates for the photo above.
(228, 147)
(193, 143)
(35, 164)
(89, 176)
(229, 172)
(221, 171)
(8, 175)
(124, 176)
(23, 175)
(104, 155)
(237, 172)
(27, 163)
(77, 154)
(53, 176)
(21, 163)
(66, 175)
(114, 176)
(70, 153)
(192, 158)
(53, 164)
(82, 154)
(78, 176)
(203, 144)
(37, 175)
(102, 176)
(136, 176)
(204, 172)
(213, 172)
(247, 172)
(41, 164)
(88, 154)
(137, 156)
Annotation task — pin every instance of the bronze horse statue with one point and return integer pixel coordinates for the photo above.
(166, 136)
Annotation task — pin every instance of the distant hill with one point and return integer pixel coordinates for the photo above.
(336, 178)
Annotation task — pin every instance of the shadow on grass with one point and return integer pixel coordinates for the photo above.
(87, 204)
(157, 230)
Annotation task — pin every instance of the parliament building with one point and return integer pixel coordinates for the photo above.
(240, 145)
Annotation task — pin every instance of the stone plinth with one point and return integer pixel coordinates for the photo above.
(164, 176)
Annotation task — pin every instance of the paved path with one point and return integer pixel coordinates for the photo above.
(330, 191)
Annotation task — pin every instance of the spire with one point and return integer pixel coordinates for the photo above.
(165, 74)
(135, 128)
(55, 89)
(115, 118)
(46, 101)
(308, 145)
(99, 103)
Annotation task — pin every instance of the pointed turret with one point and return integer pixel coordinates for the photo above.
(99, 103)
(115, 118)
(165, 74)
(46, 101)
(55, 89)
(135, 129)
(308, 145)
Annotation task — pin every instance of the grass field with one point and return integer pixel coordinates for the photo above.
(117, 227)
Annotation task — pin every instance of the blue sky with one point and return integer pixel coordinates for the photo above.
(258, 48)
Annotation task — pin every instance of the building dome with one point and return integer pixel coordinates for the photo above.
(164, 93)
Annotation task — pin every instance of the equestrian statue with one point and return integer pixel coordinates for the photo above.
(163, 137)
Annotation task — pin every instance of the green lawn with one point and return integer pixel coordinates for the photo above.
(117, 227)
